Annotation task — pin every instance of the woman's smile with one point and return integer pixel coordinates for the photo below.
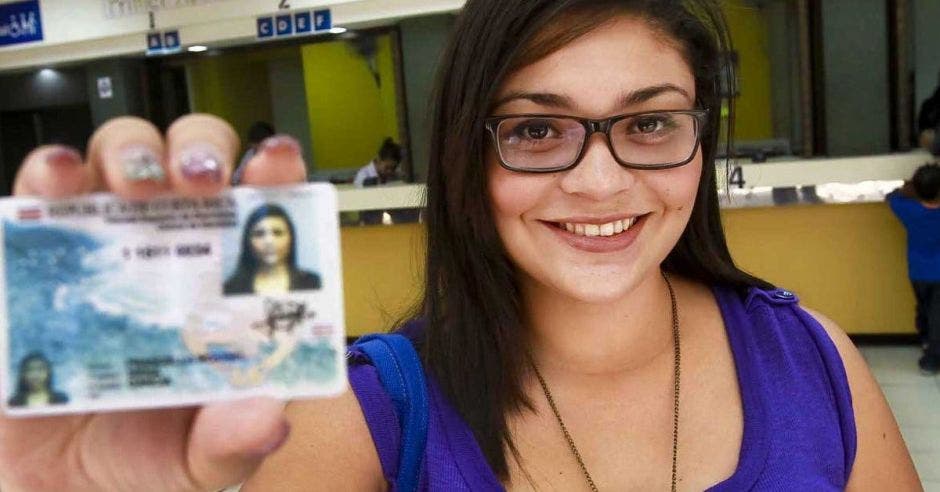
(598, 236)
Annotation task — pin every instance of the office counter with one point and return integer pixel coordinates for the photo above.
(820, 228)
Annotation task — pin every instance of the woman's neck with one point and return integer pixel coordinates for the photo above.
(575, 337)
(267, 271)
(37, 397)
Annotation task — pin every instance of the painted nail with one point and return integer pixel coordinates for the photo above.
(280, 143)
(201, 164)
(141, 164)
(63, 156)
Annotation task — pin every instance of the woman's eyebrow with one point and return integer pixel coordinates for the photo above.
(541, 98)
(645, 94)
(561, 101)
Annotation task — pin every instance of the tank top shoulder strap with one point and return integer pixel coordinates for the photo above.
(794, 390)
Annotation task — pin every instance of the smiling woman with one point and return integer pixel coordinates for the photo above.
(582, 325)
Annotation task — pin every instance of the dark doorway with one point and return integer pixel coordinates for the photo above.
(167, 93)
(22, 131)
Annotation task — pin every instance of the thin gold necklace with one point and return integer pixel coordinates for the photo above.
(677, 364)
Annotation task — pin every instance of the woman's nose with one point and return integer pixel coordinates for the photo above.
(598, 176)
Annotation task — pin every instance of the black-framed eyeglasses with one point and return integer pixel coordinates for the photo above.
(546, 143)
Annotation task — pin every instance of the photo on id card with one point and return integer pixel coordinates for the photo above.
(110, 304)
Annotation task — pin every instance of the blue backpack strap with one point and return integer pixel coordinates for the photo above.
(400, 372)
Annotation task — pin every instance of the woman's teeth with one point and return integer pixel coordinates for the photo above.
(592, 230)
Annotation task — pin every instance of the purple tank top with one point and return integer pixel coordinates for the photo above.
(799, 428)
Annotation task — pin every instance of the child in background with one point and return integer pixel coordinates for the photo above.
(917, 206)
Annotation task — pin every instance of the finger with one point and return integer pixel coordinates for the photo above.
(128, 154)
(279, 161)
(202, 148)
(53, 171)
(229, 440)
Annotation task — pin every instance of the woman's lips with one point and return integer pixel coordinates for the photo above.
(599, 238)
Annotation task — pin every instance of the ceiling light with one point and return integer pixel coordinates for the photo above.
(338, 30)
(197, 48)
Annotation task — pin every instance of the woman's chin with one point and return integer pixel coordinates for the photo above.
(594, 291)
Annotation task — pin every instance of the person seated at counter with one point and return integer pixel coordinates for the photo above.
(917, 206)
(383, 168)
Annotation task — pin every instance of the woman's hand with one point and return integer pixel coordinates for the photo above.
(187, 449)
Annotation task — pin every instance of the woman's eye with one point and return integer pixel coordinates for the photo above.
(534, 130)
(649, 125)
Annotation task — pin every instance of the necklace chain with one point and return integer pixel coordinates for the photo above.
(677, 364)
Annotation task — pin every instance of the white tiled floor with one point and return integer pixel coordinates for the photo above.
(915, 400)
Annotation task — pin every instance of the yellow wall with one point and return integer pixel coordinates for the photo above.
(754, 105)
(383, 274)
(350, 115)
(234, 87)
(846, 261)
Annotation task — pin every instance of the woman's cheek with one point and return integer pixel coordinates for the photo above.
(677, 187)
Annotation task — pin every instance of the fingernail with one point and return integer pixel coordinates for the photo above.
(141, 164)
(280, 143)
(201, 164)
(277, 443)
(63, 156)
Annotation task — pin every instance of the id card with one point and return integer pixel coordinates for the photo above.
(109, 304)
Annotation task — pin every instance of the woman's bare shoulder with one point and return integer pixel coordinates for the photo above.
(329, 448)
(882, 461)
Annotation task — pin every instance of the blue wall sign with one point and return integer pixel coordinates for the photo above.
(171, 40)
(302, 22)
(163, 43)
(20, 22)
(322, 20)
(285, 25)
(297, 23)
(265, 27)
(154, 41)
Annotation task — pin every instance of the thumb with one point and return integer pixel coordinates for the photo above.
(229, 440)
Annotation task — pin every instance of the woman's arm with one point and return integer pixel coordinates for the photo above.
(882, 461)
(330, 448)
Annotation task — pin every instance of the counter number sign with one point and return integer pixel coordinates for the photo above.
(154, 41)
(289, 24)
(163, 42)
(736, 177)
(265, 27)
(302, 22)
(323, 20)
(285, 25)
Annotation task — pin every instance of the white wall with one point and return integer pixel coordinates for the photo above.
(81, 29)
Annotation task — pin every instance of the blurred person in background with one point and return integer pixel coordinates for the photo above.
(917, 206)
(258, 133)
(383, 168)
(928, 123)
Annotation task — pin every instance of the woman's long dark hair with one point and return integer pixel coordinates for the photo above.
(247, 263)
(22, 388)
(473, 342)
